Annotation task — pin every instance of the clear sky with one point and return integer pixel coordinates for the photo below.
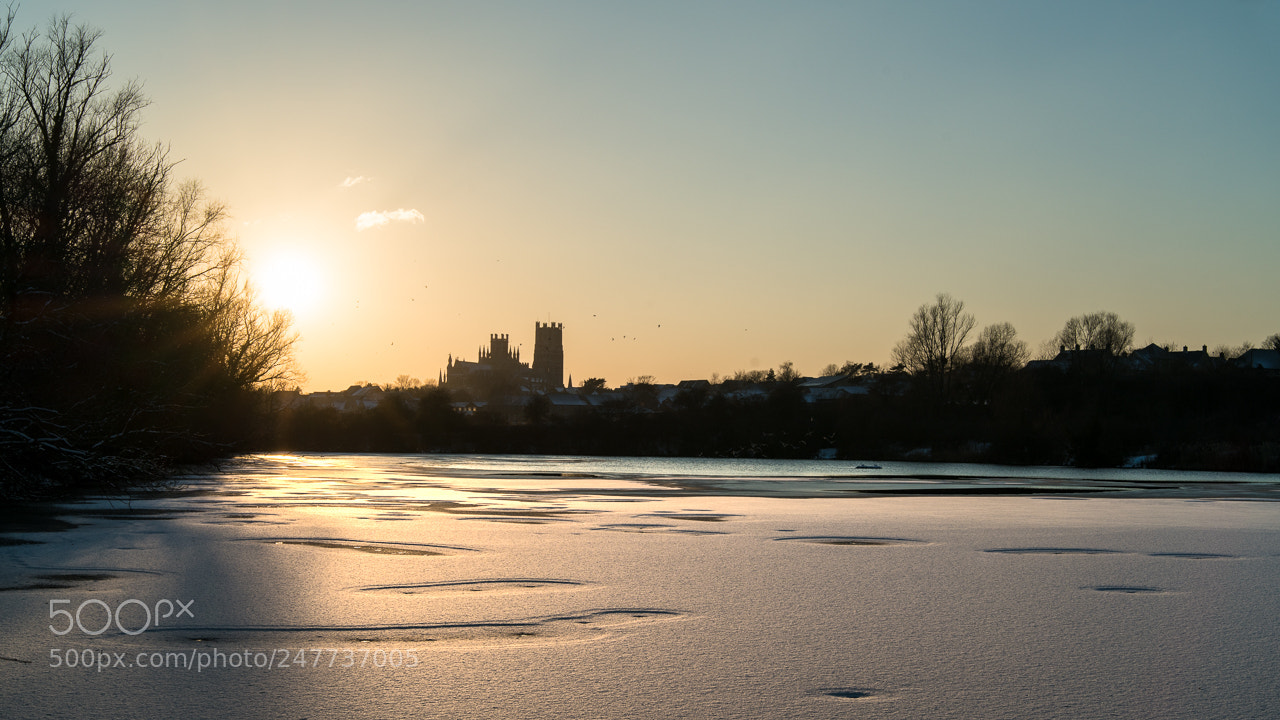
(702, 187)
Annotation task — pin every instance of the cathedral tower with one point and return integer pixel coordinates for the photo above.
(548, 353)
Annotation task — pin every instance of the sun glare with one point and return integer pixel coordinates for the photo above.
(288, 281)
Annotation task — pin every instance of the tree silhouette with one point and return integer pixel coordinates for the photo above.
(937, 334)
(999, 348)
(1103, 331)
(994, 356)
(406, 382)
(127, 334)
(787, 372)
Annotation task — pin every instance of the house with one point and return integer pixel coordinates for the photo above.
(568, 404)
(831, 387)
(468, 408)
(1077, 358)
(1259, 359)
(353, 399)
(1155, 357)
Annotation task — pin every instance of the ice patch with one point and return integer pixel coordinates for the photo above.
(368, 546)
(1054, 551)
(851, 540)
(495, 585)
(1129, 589)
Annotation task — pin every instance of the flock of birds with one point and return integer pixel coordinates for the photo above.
(612, 339)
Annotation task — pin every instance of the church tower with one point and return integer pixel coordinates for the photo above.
(548, 353)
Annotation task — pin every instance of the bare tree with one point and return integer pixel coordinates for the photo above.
(251, 346)
(126, 329)
(1103, 331)
(938, 331)
(999, 348)
(406, 382)
(994, 356)
(1272, 342)
(787, 372)
(851, 369)
(80, 187)
(1233, 351)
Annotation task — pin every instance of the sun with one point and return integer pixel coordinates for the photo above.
(288, 280)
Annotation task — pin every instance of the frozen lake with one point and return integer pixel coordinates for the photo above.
(397, 586)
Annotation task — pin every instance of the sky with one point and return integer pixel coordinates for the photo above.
(706, 187)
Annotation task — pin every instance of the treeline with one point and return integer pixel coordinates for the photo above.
(945, 399)
(1224, 419)
(128, 340)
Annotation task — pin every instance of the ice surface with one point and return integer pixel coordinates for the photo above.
(582, 588)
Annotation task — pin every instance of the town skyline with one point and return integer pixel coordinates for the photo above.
(727, 187)
(485, 348)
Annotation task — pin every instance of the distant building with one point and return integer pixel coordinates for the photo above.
(1258, 358)
(548, 353)
(1067, 359)
(499, 368)
(354, 399)
(831, 387)
(1155, 357)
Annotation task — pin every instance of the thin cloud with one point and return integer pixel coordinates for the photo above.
(378, 218)
(354, 181)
